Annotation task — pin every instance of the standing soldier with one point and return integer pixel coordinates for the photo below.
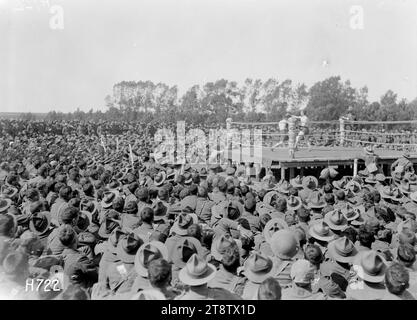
(371, 161)
(291, 135)
(403, 162)
(304, 130)
(99, 130)
(282, 126)
(80, 129)
(90, 130)
(65, 130)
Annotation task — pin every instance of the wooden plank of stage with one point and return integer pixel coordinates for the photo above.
(317, 157)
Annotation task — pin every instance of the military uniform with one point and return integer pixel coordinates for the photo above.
(300, 293)
(140, 283)
(120, 276)
(277, 214)
(250, 291)
(54, 245)
(51, 197)
(107, 259)
(228, 281)
(162, 226)
(406, 295)
(304, 194)
(327, 209)
(283, 271)
(129, 222)
(206, 293)
(361, 290)
(72, 256)
(329, 267)
(340, 205)
(75, 186)
(129, 198)
(404, 162)
(189, 201)
(224, 226)
(411, 206)
(203, 209)
(57, 208)
(144, 231)
(412, 271)
(265, 249)
(142, 205)
(303, 226)
(360, 247)
(217, 197)
(382, 247)
(170, 244)
(253, 221)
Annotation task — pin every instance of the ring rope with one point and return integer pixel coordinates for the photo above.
(266, 146)
(335, 133)
(381, 133)
(351, 140)
(332, 122)
(385, 143)
(276, 123)
(382, 122)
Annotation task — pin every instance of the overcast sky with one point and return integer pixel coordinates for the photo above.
(188, 42)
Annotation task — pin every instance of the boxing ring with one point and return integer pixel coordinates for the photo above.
(347, 149)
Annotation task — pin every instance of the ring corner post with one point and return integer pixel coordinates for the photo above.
(282, 172)
(228, 137)
(355, 167)
(291, 137)
(342, 131)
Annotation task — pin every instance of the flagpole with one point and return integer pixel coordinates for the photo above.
(104, 146)
(131, 154)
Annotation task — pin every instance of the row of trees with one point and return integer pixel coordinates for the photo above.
(213, 102)
(254, 100)
(331, 98)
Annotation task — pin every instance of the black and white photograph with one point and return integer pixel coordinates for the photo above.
(208, 150)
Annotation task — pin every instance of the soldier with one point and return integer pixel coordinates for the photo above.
(304, 130)
(147, 252)
(403, 162)
(146, 228)
(302, 275)
(196, 274)
(121, 274)
(284, 246)
(397, 282)
(283, 129)
(341, 253)
(257, 268)
(370, 273)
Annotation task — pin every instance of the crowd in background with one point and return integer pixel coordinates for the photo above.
(320, 135)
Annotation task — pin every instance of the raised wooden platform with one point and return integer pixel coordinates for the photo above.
(279, 158)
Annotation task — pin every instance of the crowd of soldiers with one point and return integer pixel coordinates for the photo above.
(329, 135)
(87, 219)
(319, 136)
(396, 139)
(20, 127)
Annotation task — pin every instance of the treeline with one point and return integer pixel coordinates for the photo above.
(254, 100)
